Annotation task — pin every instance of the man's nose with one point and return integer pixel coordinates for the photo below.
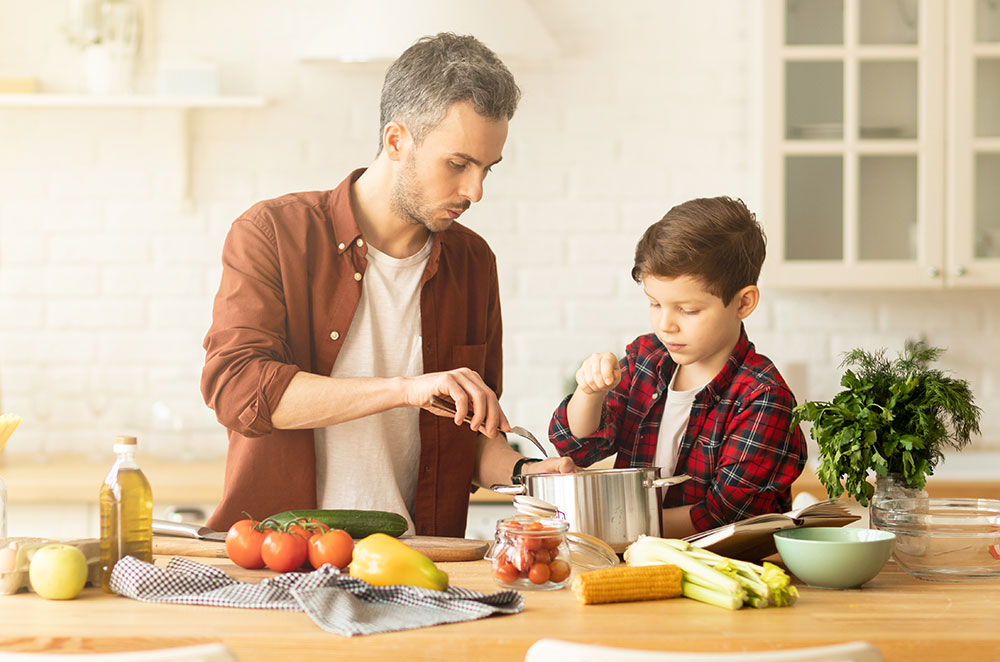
(472, 187)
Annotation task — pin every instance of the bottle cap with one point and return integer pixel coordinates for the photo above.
(130, 441)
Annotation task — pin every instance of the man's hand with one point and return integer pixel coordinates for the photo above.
(552, 465)
(467, 390)
(599, 373)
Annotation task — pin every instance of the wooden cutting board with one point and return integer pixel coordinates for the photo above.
(436, 548)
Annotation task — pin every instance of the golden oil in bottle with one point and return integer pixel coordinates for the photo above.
(126, 512)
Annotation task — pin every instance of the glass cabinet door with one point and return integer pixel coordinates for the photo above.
(974, 215)
(854, 142)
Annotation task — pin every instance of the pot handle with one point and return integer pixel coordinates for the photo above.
(508, 489)
(668, 481)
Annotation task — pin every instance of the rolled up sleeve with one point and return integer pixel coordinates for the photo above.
(248, 362)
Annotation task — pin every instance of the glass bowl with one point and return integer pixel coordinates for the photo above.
(944, 540)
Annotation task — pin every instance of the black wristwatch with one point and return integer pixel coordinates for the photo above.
(518, 472)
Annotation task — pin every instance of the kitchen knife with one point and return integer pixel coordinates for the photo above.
(164, 527)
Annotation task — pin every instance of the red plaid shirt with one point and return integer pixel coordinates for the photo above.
(739, 446)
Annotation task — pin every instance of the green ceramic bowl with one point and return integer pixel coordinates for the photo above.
(830, 557)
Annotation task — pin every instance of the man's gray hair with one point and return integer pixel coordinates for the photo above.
(438, 71)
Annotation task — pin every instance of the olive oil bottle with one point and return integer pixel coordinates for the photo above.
(126, 512)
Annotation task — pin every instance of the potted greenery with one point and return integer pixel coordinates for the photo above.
(894, 417)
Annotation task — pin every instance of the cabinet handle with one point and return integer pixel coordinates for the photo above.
(934, 272)
(960, 270)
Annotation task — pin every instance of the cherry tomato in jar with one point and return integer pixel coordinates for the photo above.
(505, 572)
(558, 571)
(523, 558)
(334, 547)
(551, 542)
(243, 544)
(539, 573)
(284, 551)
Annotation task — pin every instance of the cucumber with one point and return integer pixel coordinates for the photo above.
(358, 523)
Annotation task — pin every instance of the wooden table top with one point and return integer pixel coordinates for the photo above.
(906, 618)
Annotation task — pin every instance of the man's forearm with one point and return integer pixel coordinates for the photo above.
(495, 461)
(314, 401)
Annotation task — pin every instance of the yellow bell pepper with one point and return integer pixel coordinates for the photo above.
(382, 560)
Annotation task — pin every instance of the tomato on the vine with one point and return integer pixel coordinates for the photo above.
(284, 551)
(243, 544)
(306, 528)
(334, 547)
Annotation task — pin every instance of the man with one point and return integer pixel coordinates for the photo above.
(342, 313)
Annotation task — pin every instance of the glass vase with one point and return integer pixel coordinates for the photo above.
(892, 486)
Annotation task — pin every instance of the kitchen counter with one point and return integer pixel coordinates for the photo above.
(906, 618)
(75, 479)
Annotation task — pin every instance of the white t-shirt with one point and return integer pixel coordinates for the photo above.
(676, 412)
(371, 463)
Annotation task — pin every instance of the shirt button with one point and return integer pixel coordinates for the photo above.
(357, 276)
(361, 242)
(656, 395)
(341, 246)
(334, 335)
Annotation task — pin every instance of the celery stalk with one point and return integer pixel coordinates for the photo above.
(715, 598)
(716, 579)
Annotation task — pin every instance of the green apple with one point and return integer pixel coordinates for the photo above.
(58, 572)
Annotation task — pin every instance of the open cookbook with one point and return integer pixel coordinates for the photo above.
(752, 539)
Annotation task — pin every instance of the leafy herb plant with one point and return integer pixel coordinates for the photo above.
(893, 417)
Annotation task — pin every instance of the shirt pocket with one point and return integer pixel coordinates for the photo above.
(472, 357)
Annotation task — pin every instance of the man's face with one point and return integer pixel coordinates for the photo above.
(442, 176)
(695, 326)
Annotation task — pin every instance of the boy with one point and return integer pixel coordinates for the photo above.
(693, 396)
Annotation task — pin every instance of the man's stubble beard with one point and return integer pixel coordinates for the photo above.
(408, 201)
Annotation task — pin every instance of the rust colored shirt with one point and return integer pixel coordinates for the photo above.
(291, 276)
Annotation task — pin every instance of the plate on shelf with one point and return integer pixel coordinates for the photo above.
(820, 131)
(882, 132)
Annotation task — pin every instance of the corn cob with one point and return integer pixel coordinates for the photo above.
(627, 584)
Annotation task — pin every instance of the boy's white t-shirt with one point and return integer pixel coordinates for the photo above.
(371, 463)
(676, 413)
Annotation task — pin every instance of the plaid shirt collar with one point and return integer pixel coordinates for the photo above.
(666, 366)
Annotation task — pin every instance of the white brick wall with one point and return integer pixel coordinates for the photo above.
(107, 274)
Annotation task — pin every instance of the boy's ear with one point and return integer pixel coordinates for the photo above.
(747, 300)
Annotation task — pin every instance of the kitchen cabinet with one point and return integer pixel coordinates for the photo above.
(882, 143)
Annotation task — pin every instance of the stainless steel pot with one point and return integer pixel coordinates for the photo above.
(615, 505)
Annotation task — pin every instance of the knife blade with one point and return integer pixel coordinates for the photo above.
(164, 527)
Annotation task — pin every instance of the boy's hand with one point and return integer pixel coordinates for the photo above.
(599, 373)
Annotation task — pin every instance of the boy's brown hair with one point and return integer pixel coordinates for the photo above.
(714, 240)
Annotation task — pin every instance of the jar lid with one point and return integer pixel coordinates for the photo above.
(590, 552)
(126, 440)
(520, 523)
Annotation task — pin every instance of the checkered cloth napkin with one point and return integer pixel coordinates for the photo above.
(337, 603)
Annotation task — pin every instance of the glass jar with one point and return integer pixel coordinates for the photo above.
(531, 553)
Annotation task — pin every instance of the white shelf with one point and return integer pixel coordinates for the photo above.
(183, 105)
(125, 101)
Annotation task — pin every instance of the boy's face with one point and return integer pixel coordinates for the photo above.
(442, 176)
(698, 330)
